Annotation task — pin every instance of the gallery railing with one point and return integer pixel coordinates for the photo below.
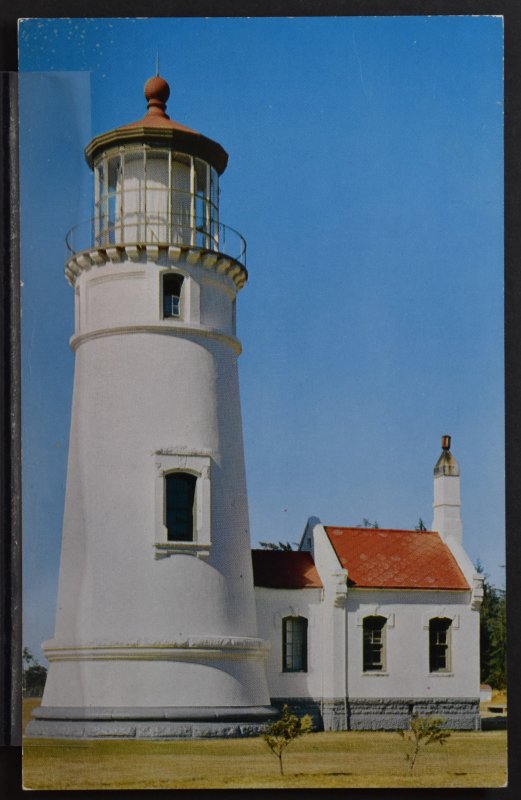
(159, 226)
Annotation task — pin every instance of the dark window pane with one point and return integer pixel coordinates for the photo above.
(172, 294)
(373, 644)
(439, 644)
(179, 514)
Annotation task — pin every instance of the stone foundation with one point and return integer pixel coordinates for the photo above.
(384, 714)
(333, 714)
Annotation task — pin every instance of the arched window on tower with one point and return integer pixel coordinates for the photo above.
(439, 644)
(179, 506)
(172, 284)
(294, 644)
(374, 644)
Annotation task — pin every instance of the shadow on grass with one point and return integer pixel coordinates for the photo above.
(316, 774)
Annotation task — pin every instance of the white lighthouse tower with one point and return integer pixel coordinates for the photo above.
(155, 628)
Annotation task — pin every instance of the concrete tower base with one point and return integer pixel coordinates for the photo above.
(152, 723)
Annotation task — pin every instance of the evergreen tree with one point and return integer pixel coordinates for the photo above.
(33, 675)
(276, 545)
(492, 633)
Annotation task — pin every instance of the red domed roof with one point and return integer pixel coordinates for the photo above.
(157, 92)
(157, 127)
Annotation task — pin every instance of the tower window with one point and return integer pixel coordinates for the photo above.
(172, 283)
(294, 644)
(439, 644)
(374, 644)
(179, 506)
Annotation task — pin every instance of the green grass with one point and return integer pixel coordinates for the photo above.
(343, 759)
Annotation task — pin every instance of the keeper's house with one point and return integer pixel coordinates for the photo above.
(370, 626)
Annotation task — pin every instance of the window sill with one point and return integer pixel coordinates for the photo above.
(375, 674)
(440, 674)
(165, 549)
(294, 672)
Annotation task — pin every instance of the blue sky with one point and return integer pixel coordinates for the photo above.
(365, 173)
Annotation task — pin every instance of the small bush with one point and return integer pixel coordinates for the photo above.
(422, 732)
(279, 734)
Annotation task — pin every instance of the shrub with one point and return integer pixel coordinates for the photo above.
(279, 734)
(422, 732)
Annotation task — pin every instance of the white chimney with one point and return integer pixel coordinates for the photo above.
(447, 503)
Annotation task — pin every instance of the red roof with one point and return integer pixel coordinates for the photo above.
(284, 569)
(157, 92)
(395, 559)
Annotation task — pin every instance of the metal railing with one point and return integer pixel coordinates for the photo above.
(159, 228)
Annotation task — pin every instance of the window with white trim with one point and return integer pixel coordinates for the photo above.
(182, 501)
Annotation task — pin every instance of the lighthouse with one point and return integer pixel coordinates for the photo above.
(155, 627)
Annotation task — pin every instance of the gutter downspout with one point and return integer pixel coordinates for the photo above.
(345, 657)
(322, 661)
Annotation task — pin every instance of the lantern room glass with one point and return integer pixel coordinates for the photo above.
(146, 195)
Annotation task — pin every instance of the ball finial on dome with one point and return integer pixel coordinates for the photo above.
(157, 92)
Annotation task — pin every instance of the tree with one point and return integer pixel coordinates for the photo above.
(276, 545)
(366, 523)
(279, 734)
(492, 633)
(33, 675)
(422, 732)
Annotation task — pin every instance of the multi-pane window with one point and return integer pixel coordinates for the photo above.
(374, 644)
(148, 194)
(172, 283)
(439, 644)
(179, 506)
(294, 644)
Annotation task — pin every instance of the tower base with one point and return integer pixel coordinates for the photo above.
(151, 723)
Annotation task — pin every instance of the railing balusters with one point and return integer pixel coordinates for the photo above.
(134, 227)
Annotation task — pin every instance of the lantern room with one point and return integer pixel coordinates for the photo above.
(156, 182)
(146, 194)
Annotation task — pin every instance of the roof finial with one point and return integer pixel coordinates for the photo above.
(157, 92)
(157, 63)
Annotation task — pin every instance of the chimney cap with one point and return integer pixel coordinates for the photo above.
(446, 463)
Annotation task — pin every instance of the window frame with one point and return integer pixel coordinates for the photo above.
(446, 645)
(293, 662)
(369, 665)
(198, 464)
(165, 276)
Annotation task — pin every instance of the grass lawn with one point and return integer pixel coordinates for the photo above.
(343, 759)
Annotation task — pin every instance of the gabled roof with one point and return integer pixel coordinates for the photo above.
(284, 569)
(396, 559)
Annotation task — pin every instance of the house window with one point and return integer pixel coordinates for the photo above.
(294, 644)
(172, 283)
(374, 644)
(179, 506)
(439, 644)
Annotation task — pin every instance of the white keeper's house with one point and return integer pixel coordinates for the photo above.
(165, 625)
(370, 626)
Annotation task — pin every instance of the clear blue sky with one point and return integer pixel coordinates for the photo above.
(366, 175)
